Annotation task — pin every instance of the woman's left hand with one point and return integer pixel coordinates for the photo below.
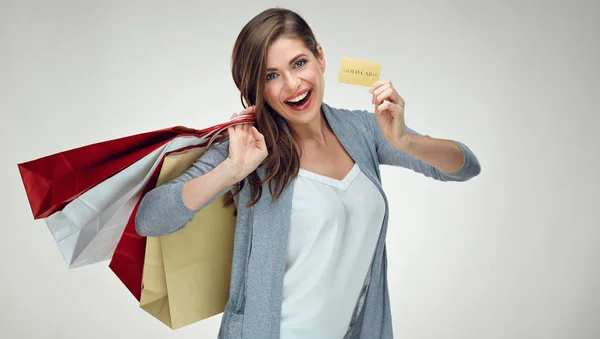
(389, 113)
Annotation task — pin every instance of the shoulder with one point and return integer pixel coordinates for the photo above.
(350, 120)
(339, 112)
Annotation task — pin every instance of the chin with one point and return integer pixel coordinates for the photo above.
(305, 117)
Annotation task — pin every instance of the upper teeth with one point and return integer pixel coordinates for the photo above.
(298, 98)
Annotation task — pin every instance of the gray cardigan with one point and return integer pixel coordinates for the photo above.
(261, 235)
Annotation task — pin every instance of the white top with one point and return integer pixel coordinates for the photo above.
(334, 230)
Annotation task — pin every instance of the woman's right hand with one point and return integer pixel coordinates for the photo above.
(247, 148)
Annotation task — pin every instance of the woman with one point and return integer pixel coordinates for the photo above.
(309, 255)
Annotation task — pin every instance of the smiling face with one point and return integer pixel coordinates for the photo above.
(294, 84)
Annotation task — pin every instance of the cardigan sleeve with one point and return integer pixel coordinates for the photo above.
(162, 210)
(389, 155)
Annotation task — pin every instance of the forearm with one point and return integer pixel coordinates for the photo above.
(200, 190)
(168, 208)
(442, 154)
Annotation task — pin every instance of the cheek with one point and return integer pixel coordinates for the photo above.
(270, 95)
(316, 75)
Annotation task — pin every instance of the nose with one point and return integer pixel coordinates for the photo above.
(293, 82)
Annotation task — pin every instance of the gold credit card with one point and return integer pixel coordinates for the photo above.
(359, 72)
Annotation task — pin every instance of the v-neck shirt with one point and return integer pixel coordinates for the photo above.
(335, 225)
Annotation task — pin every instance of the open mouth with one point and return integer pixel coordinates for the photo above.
(299, 100)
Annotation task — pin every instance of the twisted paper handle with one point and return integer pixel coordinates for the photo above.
(239, 120)
(218, 132)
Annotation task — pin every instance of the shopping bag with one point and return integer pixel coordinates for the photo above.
(92, 208)
(127, 262)
(88, 229)
(186, 274)
(53, 181)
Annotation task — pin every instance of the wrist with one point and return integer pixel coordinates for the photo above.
(405, 143)
(230, 171)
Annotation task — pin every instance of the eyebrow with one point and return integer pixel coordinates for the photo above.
(291, 62)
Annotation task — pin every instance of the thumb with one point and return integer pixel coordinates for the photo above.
(258, 137)
(376, 111)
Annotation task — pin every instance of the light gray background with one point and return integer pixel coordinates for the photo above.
(510, 254)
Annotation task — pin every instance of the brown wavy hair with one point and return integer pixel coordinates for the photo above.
(248, 67)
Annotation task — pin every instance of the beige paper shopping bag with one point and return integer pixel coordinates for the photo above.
(186, 274)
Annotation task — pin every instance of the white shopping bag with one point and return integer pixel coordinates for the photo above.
(88, 229)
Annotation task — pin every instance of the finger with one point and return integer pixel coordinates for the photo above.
(385, 105)
(246, 128)
(259, 138)
(378, 91)
(249, 110)
(385, 95)
(400, 100)
(382, 88)
(234, 115)
(378, 84)
(231, 131)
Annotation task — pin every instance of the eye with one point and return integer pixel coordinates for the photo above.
(300, 62)
(270, 76)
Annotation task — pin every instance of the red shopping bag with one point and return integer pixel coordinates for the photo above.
(127, 262)
(53, 181)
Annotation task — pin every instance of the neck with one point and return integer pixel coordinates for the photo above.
(315, 132)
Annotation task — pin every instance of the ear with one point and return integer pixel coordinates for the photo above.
(321, 57)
